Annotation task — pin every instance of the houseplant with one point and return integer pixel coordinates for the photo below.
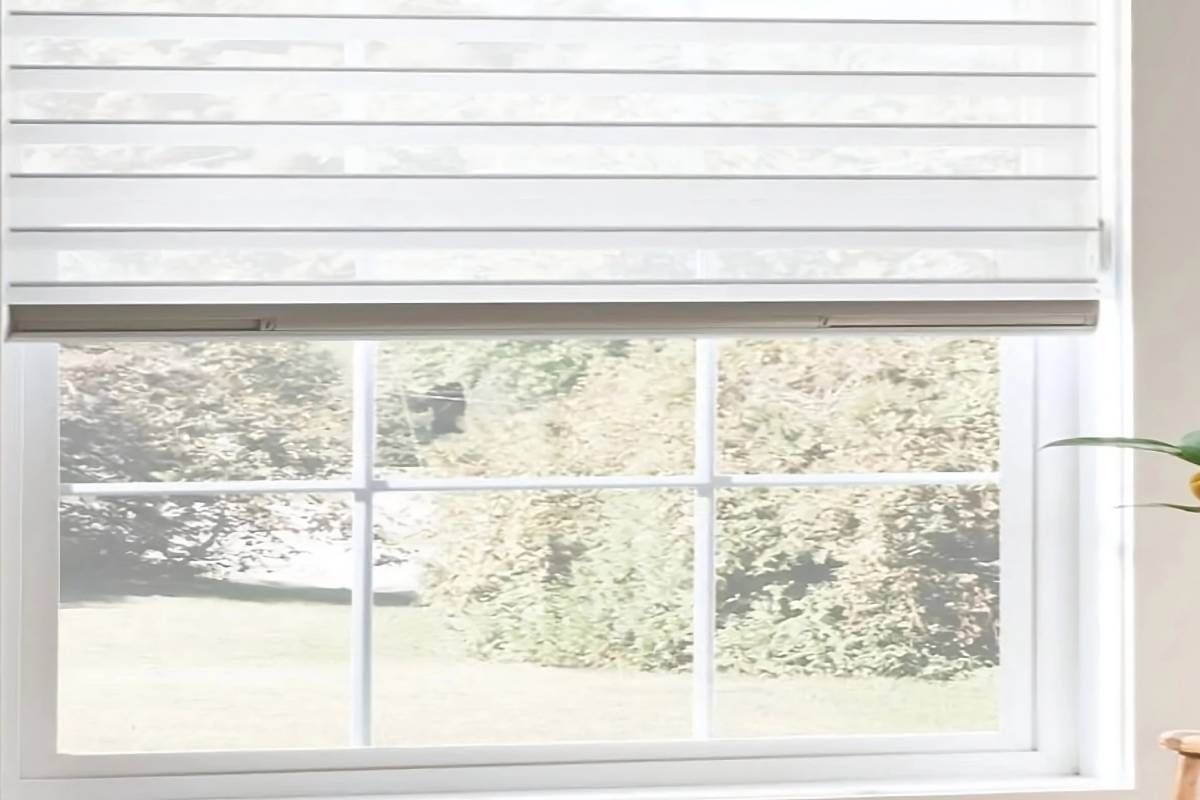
(1185, 743)
(1187, 450)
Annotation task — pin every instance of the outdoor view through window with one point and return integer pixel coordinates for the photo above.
(536, 507)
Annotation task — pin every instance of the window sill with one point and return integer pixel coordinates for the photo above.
(812, 791)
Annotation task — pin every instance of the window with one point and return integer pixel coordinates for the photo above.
(463, 396)
(559, 554)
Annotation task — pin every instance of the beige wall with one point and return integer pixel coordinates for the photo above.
(1166, 293)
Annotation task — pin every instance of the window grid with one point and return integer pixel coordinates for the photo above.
(706, 481)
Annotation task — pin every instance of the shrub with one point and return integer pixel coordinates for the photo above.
(569, 578)
(178, 412)
(898, 581)
(895, 582)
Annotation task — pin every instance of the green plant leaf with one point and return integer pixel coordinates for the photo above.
(1189, 448)
(1173, 506)
(1148, 445)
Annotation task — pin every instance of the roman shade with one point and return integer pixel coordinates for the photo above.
(430, 167)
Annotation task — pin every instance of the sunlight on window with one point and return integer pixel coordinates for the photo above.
(208, 624)
(855, 566)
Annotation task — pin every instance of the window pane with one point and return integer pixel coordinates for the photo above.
(205, 411)
(523, 408)
(865, 610)
(860, 404)
(199, 624)
(533, 617)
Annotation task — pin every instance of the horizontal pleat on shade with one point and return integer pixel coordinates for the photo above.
(1074, 11)
(545, 203)
(175, 156)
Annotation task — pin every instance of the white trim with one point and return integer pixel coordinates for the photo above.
(568, 754)
(532, 483)
(12, 435)
(169, 488)
(704, 531)
(39, 536)
(362, 584)
(1018, 501)
(861, 479)
(1059, 615)
(605, 758)
(979, 771)
(1106, 691)
(956, 786)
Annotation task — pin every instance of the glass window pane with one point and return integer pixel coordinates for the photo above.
(204, 623)
(533, 617)
(526, 408)
(860, 404)
(864, 610)
(204, 411)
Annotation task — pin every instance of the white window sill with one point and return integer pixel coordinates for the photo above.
(812, 791)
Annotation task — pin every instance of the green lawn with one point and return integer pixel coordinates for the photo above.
(174, 673)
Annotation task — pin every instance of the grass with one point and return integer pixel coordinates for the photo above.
(186, 673)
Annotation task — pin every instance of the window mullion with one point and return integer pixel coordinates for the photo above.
(1018, 446)
(704, 578)
(33, 391)
(362, 533)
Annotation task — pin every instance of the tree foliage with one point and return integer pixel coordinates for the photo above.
(888, 580)
(879, 581)
(197, 412)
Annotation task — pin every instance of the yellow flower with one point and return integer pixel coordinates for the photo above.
(1194, 483)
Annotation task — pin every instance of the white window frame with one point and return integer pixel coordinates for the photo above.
(1078, 734)
(1037, 740)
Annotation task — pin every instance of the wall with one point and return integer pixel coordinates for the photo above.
(1166, 292)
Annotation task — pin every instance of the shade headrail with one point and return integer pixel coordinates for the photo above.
(375, 311)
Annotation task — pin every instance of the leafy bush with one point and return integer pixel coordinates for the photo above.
(898, 581)
(569, 578)
(200, 412)
(895, 581)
